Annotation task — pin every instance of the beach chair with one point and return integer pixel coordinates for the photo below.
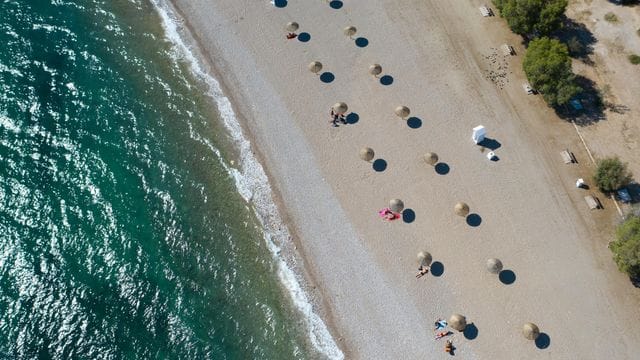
(593, 202)
(508, 50)
(568, 156)
(485, 11)
(528, 89)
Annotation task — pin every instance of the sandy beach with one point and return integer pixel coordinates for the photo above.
(526, 209)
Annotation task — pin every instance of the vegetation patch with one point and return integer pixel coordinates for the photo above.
(611, 17)
(612, 174)
(626, 248)
(634, 59)
(532, 17)
(548, 68)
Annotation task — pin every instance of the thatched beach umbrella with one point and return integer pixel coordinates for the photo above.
(375, 69)
(494, 266)
(366, 154)
(396, 205)
(292, 26)
(424, 258)
(402, 111)
(431, 158)
(461, 209)
(350, 31)
(458, 322)
(340, 107)
(530, 331)
(315, 67)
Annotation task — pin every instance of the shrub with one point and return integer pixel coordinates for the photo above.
(548, 67)
(634, 59)
(626, 248)
(611, 174)
(611, 17)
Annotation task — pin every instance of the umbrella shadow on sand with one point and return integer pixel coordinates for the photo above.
(437, 268)
(408, 216)
(352, 118)
(474, 220)
(336, 4)
(362, 42)
(304, 37)
(414, 122)
(280, 3)
(327, 77)
(442, 168)
(386, 80)
(543, 341)
(507, 277)
(470, 331)
(380, 165)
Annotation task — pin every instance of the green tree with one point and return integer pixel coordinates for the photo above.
(612, 174)
(548, 67)
(626, 248)
(532, 17)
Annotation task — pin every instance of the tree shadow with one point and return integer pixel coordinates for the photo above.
(362, 42)
(543, 341)
(335, 4)
(380, 165)
(507, 277)
(629, 3)
(489, 143)
(352, 118)
(578, 39)
(470, 332)
(474, 220)
(327, 77)
(414, 122)
(442, 168)
(591, 99)
(304, 37)
(280, 3)
(408, 216)
(386, 80)
(437, 268)
(634, 191)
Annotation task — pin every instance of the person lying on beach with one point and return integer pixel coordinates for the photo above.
(440, 335)
(440, 324)
(291, 36)
(388, 215)
(422, 271)
(343, 119)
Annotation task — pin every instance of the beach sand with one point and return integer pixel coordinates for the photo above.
(528, 213)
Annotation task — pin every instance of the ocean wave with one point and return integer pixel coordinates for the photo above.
(252, 184)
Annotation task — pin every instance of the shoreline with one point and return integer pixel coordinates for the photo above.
(276, 226)
(375, 255)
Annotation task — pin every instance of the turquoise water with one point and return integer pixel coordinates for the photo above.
(122, 233)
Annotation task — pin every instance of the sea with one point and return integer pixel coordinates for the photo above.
(135, 222)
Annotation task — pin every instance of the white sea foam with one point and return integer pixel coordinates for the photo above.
(253, 185)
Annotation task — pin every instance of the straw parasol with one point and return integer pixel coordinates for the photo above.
(340, 107)
(424, 258)
(315, 67)
(530, 331)
(366, 154)
(402, 111)
(431, 158)
(494, 266)
(292, 26)
(375, 69)
(396, 205)
(461, 209)
(458, 322)
(350, 31)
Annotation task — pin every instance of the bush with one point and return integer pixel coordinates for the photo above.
(626, 248)
(548, 67)
(634, 59)
(611, 17)
(532, 17)
(611, 175)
